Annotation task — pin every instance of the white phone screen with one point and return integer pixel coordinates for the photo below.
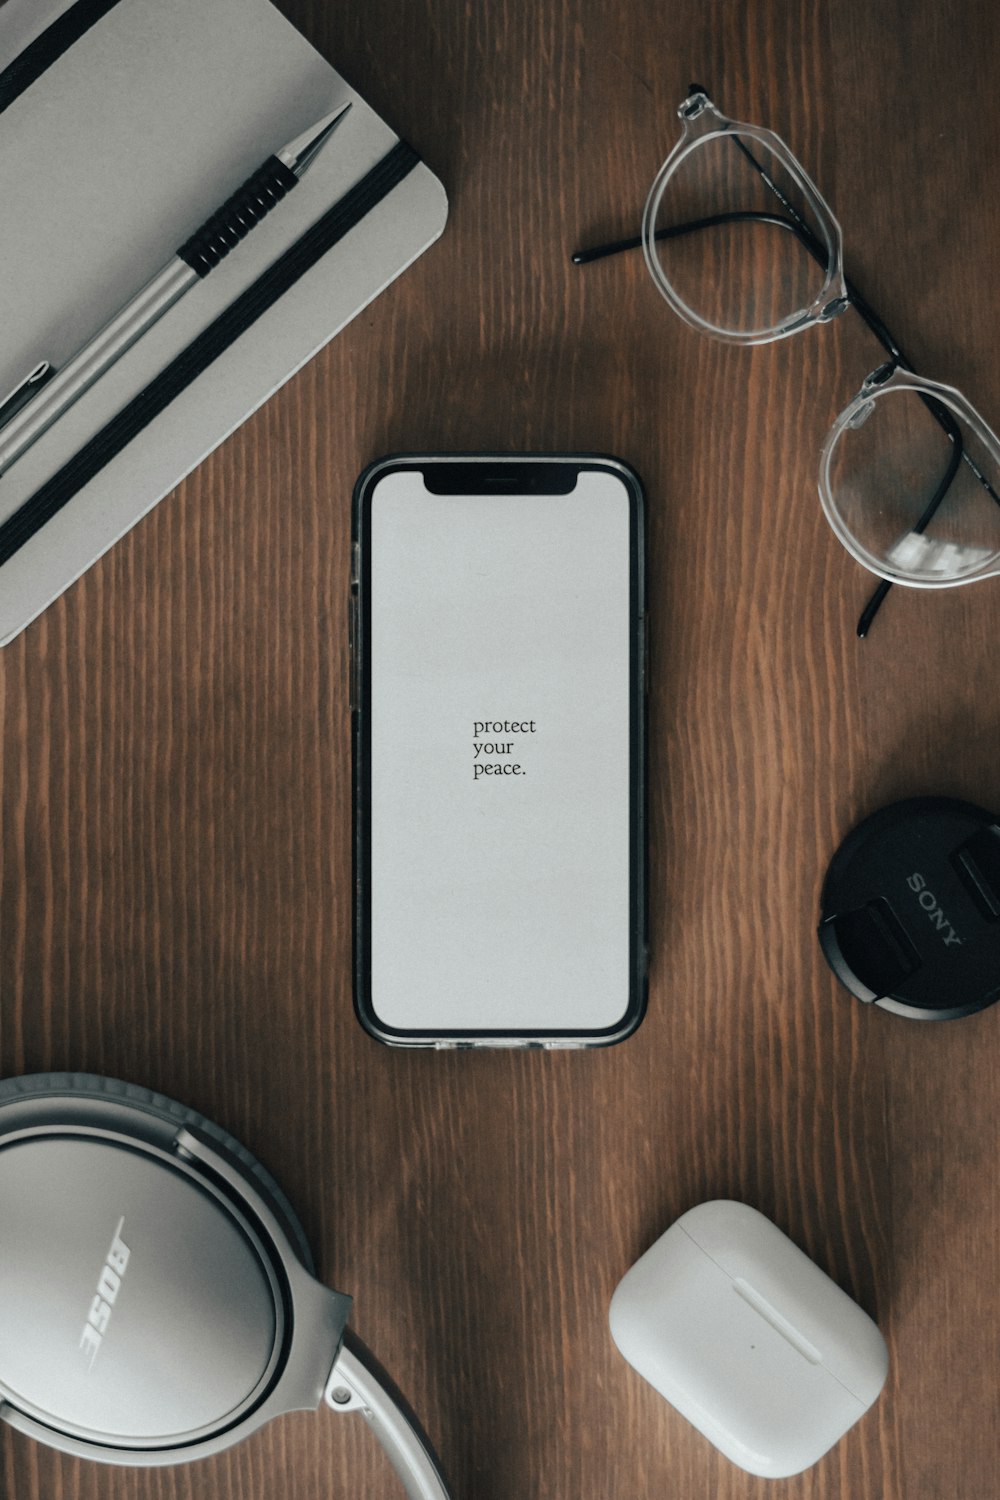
(500, 633)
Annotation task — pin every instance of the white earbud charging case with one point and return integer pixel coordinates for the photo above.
(748, 1339)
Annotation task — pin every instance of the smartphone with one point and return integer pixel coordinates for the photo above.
(498, 697)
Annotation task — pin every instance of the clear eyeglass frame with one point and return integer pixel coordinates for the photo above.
(702, 124)
(919, 563)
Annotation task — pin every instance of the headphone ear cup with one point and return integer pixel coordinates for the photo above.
(70, 1086)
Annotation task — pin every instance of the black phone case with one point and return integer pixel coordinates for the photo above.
(543, 467)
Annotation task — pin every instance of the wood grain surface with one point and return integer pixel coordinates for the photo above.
(175, 887)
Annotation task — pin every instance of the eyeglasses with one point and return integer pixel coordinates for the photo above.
(910, 473)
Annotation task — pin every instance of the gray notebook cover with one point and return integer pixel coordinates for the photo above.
(107, 163)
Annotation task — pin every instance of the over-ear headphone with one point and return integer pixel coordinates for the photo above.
(156, 1296)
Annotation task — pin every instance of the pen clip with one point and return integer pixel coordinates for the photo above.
(26, 391)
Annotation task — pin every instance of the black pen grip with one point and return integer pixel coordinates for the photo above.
(224, 229)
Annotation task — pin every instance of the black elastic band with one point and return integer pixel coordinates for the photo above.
(105, 445)
(49, 47)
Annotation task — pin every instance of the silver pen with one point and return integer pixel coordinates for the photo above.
(43, 396)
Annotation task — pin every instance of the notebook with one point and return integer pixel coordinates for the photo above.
(149, 117)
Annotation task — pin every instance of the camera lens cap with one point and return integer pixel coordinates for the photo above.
(910, 909)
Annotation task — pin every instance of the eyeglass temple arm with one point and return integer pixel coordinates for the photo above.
(691, 226)
(860, 304)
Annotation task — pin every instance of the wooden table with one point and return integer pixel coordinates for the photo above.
(175, 905)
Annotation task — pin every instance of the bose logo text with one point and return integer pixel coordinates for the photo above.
(108, 1287)
(928, 901)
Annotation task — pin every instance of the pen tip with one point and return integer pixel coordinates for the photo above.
(300, 154)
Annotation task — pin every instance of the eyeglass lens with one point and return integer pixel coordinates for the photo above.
(908, 497)
(746, 273)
